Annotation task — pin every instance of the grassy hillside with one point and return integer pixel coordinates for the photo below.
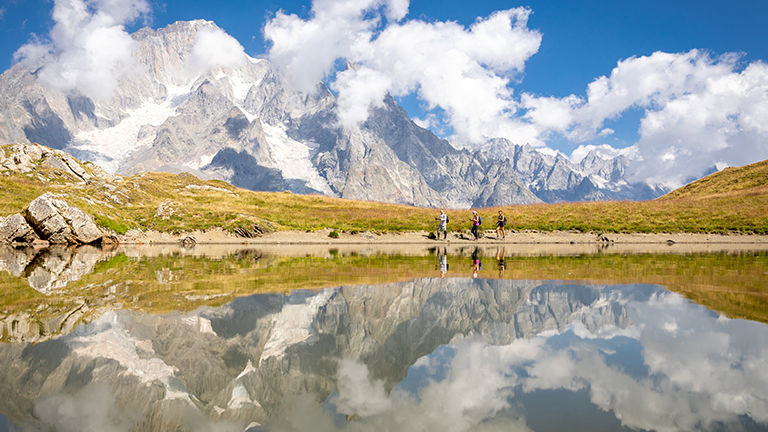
(735, 200)
(748, 180)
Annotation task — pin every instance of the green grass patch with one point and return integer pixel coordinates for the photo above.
(118, 227)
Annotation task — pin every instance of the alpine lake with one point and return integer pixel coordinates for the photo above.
(384, 338)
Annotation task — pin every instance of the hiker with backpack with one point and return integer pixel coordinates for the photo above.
(501, 222)
(443, 225)
(476, 221)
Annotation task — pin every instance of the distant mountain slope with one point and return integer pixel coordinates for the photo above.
(748, 179)
(244, 124)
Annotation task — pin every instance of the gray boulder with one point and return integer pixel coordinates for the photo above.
(44, 215)
(82, 226)
(61, 223)
(16, 228)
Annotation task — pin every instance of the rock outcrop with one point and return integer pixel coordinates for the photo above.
(60, 223)
(53, 220)
(15, 229)
(26, 158)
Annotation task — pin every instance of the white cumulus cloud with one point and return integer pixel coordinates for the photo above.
(88, 48)
(466, 72)
(307, 49)
(698, 112)
(215, 48)
(723, 124)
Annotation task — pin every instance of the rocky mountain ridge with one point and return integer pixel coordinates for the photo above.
(243, 123)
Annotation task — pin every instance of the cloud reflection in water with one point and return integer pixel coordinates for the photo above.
(426, 354)
(677, 367)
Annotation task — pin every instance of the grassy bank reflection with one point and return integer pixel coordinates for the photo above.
(733, 283)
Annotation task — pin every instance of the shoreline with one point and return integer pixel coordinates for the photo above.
(321, 237)
(218, 243)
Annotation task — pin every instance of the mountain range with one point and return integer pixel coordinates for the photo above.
(244, 123)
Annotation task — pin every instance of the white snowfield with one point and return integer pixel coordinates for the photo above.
(116, 143)
(292, 158)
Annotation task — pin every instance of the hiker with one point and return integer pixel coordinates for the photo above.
(443, 225)
(476, 221)
(501, 222)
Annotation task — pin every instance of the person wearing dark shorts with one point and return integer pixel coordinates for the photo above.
(501, 222)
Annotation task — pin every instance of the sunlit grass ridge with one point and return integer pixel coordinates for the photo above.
(734, 200)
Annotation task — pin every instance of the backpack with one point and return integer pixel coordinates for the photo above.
(479, 220)
(447, 219)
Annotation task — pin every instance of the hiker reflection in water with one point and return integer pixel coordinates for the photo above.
(442, 261)
(477, 265)
(501, 260)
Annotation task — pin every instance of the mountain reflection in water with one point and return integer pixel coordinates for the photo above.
(425, 354)
(46, 293)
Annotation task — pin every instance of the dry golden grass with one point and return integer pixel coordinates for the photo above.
(735, 200)
(733, 180)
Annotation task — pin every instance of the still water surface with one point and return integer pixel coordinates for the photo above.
(228, 339)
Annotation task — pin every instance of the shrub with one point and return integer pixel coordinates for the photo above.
(333, 234)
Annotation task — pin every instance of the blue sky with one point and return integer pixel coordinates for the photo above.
(580, 42)
(581, 39)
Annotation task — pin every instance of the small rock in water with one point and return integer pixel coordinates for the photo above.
(188, 242)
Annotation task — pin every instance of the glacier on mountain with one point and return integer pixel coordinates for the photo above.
(242, 122)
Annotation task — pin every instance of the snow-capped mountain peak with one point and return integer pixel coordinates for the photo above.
(196, 102)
